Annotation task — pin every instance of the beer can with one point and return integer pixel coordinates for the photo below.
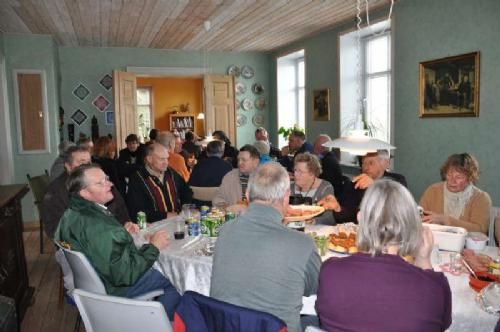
(141, 219)
(204, 225)
(230, 216)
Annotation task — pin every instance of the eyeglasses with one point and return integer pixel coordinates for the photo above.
(101, 183)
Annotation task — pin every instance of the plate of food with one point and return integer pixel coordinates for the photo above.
(343, 239)
(303, 212)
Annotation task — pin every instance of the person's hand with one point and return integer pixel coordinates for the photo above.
(362, 181)
(330, 203)
(131, 227)
(435, 218)
(423, 255)
(159, 239)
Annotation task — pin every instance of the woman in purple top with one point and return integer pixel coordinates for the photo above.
(376, 290)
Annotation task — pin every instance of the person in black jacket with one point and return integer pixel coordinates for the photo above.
(210, 171)
(230, 152)
(156, 189)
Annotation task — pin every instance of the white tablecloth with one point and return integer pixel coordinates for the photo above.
(182, 263)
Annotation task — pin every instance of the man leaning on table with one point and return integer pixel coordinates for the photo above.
(89, 227)
(261, 264)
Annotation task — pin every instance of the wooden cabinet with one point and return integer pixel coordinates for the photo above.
(181, 123)
(13, 272)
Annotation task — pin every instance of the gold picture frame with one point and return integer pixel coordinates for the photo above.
(449, 87)
(321, 105)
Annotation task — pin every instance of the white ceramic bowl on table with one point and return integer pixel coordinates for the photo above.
(448, 238)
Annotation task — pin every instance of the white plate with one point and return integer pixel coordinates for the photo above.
(241, 120)
(240, 88)
(234, 70)
(247, 71)
(247, 104)
(260, 103)
(258, 120)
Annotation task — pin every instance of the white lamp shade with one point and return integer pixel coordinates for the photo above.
(201, 116)
(358, 145)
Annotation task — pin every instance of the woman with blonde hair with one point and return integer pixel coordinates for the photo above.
(391, 294)
(104, 156)
(456, 201)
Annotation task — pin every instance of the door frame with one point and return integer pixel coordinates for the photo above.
(6, 151)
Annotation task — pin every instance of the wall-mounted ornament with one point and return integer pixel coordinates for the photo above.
(110, 117)
(247, 71)
(247, 104)
(234, 70)
(106, 82)
(81, 92)
(79, 117)
(258, 120)
(240, 88)
(257, 88)
(241, 120)
(101, 103)
(260, 103)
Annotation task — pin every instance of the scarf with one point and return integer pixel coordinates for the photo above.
(454, 203)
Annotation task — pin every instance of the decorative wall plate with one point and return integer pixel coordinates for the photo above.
(240, 88)
(260, 103)
(234, 70)
(247, 104)
(257, 88)
(258, 120)
(241, 120)
(247, 71)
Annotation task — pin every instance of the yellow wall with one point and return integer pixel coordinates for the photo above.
(170, 92)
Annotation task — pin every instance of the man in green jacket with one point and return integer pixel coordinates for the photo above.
(87, 226)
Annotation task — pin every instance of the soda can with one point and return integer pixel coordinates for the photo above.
(194, 227)
(204, 210)
(204, 225)
(230, 216)
(141, 219)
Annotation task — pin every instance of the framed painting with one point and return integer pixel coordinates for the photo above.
(449, 87)
(321, 105)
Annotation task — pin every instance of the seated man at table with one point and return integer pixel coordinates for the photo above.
(262, 135)
(234, 184)
(89, 227)
(56, 199)
(175, 160)
(374, 166)
(296, 144)
(156, 189)
(261, 264)
(208, 172)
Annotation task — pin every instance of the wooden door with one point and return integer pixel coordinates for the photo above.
(220, 105)
(125, 95)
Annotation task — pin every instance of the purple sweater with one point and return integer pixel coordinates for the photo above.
(384, 293)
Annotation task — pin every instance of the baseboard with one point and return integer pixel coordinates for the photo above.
(31, 226)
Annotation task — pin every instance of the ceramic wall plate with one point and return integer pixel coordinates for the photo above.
(240, 88)
(247, 71)
(257, 89)
(247, 104)
(234, 70)
(238, 104)
(260, 103)
(241, 120)
(258, 120)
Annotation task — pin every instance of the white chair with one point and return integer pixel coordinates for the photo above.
(104, 313)
(491, 231)
(204, 193)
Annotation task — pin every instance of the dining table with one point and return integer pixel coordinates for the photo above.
(187, 263)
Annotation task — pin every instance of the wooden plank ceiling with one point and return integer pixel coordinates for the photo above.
(236, 25)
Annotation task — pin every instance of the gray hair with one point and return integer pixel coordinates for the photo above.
(63, 146)
(77, 180)
(388, 215)
(215, 148)
(69, 154)
(262, 146)
(270, 183)
(167, 139)
(384, 154)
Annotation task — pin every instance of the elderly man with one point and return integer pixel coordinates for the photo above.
(210, 171)
(261, 264)
(175, 160)
(56, 199)
(57, 167)
(156, 189)
(262, 135)
(374, 166)
(234, 184)
(296, 144)
(89, 227)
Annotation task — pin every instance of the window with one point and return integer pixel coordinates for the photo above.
(365, 98)
(144, 112)
(291, 91)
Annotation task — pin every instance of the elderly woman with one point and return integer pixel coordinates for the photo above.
(307, 183)
(391, 294)
(457, 201)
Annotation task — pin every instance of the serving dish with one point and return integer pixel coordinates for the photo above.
(303, 212)
(448, 238)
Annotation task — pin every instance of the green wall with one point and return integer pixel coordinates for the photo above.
(89, 65)
(426, 30)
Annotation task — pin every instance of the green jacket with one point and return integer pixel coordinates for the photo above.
(89, 228)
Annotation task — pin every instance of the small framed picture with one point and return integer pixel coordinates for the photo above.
(449, 87)
(109, 118)
(321, 105)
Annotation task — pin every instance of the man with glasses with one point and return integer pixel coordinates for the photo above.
(87, 226)
(56, 199)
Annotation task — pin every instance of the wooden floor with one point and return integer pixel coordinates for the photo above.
(43, 272)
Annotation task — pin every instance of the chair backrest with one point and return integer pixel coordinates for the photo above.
(197, 313)
(204, 193)
(39, 185)
(491, 231)
(84, 275)
(104, 313)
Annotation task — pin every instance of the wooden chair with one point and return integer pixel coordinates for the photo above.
(39, 185)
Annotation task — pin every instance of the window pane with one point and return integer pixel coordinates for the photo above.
(377, 55)
(301, 77)
(301, 108)
(143, 97)
(378, 106)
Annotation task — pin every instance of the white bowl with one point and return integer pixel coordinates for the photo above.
(448, 238)
(476, 241)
